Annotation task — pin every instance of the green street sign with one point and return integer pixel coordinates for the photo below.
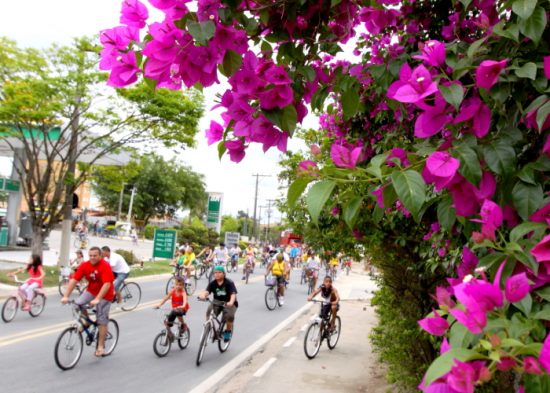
(1, 184)
(213, 214)
(9, 185)
(164, 244)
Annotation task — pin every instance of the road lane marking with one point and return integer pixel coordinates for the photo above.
(289, 342)
(262, 370)
(303, 328)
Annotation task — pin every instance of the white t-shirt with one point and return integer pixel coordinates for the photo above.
(118, 264)
(220, 254)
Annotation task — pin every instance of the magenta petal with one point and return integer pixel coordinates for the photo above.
(442, 164)
(544, 357)
(436, 326)
(547, 66)
(517, 287)
(482, 121)
(407, 94)
(541, 251)
(430, 123)
(474, 322)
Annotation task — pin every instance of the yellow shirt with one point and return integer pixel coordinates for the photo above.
(188, 258)
(278, 268)
(334, 262)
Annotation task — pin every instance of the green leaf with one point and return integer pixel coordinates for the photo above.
(525, 305)
(350, 211)
(317, 197)
(527, 199)
(524, 228)
(459, 336)
(500, 157)
(528, 70)
(446, 214)
(511, 343)
(453, 94)
(544, 293)
(411, 190)
(491, 259)
(221, 149)
(511, 32)
(389, 196)
(289, 119)
(543, 314)
(201, 31)
(374, 166)
(527, 174)
(466, 3)
(536, 103)
(534, 26)
(469, 164)
(474, 47)
(350, 103)
(542, 114)
(443, 364)
(231, 63)
(524, 8)
(296, 189)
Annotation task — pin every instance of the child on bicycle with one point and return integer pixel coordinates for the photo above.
(180, 306)
(331, 299)
(35, 280)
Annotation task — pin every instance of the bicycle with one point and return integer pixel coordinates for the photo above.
(71, 341)
(271, 296)
(190, 281)
(64, 278)
(130, 295)
(348, 268)
(162, 341)
(203, 269)
(247, 270)
(320, 330)
(80, 241)
(303, 276)
(213, 330)
(11, 304)
(311, 283)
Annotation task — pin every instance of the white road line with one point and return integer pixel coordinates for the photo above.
(289, 342)
(262, 370)
(303, 328)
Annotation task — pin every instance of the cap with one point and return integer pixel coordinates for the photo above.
(219, 268)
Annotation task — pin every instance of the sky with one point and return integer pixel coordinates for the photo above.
(40, 23)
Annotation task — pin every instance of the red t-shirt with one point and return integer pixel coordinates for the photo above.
(97, 275)
(177, 299)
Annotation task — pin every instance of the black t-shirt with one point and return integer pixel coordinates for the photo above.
(326, 293)
(224, 291)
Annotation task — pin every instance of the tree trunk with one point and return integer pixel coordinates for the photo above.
(37, 238)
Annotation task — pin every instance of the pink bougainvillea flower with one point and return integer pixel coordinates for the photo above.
(468, 264)
(133, 13)
(308, 168)
(542, 215)
(517, 287)
(433, 119)
(544, 357)
(433, 53)
(443, 297)
(546, 147)
(510, 216)
(397, 153)
(465, 201)
(445, 346)
(477, 113)
(236, 150)
(125, 70)
(276, 75)
(118, 37)
(541, 251)
(532, 365)
(440, 169)
(163, 4)
(436, 325)
(413, 86)
(479, 295)
(487, 187)
(473, 321)
(491, 219)
(378, 193)
(376, 19)
(506, 364)
(464, 376)
(277, 97)
(315, 150)
(547, 67)
(345, 157)
(214, 133)
(488, 72)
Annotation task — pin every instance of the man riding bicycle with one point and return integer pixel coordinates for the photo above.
(224, 290)
(120, 268)
(279, 269)
(220, 255)
(234, 254)
(313, 266)
(98, 294)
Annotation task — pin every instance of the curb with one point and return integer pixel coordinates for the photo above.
(215, 378)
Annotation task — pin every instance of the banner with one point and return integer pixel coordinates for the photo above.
(214, 211)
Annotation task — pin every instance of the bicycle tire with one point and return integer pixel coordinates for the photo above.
(161, 344)
(313, 337)
(191, 285)
(9, 309)
(74, 339)
(203, 342)
(222, 344)
(170, 284)
(62, 286)
(112, 337)
(271, 300)
(131, 295)
(183, 340)
(333, 337)
(247, 275)
(310, 286)
(228, 266)
(38, 304)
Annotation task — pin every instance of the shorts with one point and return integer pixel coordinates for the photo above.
(173, 315)
(119, 278)
(228, 312)
(280, 280)
(102, 308)
(327, 308)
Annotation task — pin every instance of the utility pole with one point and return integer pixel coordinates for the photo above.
(129, 218)
(120, 202)
(268, 229)
(255, 226)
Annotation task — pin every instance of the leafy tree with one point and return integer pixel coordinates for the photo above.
(229, 224)
(163, 187)
(55, 113)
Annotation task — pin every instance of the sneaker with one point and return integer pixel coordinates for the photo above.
(281, 300)
(244, 278)
(227, 336)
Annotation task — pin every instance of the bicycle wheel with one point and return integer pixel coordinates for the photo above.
(335, 334)
(247, 274)
(131, 295)
(310, 286)
(68, 348)
(161, 345)
(312, 340)
(191, 285)
(228, 266)
(9, 309)
(204, 341)
(222, 344)
(112, 337)
(185, 336)
(37, 305)
(62, 286)
(270, 298)
(170, 284)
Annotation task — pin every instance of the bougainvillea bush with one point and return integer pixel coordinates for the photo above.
(442, 107)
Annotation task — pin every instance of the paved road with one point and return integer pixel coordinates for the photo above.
(26, 345)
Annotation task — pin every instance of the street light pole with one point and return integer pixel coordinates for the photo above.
(131, 204)
(120, 202)
(254, 230)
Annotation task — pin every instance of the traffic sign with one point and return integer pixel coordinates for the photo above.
(232, 238)
(9, 185)
(164, 244)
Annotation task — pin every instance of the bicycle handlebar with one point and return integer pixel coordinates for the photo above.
(214, 301)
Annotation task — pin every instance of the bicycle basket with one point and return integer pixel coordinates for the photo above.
(270, 280)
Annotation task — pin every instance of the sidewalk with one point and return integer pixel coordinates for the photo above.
(281, 365)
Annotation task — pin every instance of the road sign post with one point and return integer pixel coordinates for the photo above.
(164, 244)
(214, 211)
(232, 238)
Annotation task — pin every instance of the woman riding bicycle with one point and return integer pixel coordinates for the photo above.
(279, 269)
(36, 275)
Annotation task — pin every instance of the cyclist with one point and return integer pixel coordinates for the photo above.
(333, 264)
(331, 300)
(224, 290)
(220, 255)
(189, 260)
(36, 275)
(120, 269)
(180, 306)
(313, 267)
(279, 269)
(99, 293)
(234, 254)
